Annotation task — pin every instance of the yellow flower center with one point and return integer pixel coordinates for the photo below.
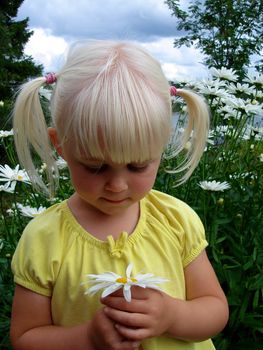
(19, 178)
(125, 280)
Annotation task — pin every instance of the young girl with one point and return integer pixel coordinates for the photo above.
(111, 121)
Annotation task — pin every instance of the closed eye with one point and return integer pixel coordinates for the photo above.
(137, 168)
(96, 169)
(100, 168)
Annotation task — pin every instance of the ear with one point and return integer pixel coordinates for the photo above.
(52, 132)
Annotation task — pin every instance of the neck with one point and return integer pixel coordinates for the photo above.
(101, 225)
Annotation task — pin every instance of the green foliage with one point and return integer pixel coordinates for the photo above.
(227, 32)
(15, 66)
(232, 217)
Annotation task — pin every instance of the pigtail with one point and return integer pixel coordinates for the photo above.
(31, 135)
(194, 137)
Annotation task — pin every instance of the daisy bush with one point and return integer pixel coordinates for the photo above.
(225, 190)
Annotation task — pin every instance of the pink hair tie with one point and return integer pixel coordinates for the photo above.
(51, 78)
(173, 91)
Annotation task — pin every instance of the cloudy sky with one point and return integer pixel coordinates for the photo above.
(57, 23)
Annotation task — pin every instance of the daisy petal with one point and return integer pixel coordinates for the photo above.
(94, 289)
(127, 292)
(111, 282)
(141, 276)
(129, 270)
(111, 289)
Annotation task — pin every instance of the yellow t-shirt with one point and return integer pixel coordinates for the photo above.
(55, 254)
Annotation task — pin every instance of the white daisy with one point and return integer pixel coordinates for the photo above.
(254, 78)
(223, 129)
(213, 88)
(224, 73)
(10, 211)
(5, 133)
(61, 163)
(45, 93)
(227, 111)
(29, 211)
(214, 185)
(11, 176)
(7, 188)
(1, 243)
(246, 106)
(245, 88)
(258, 94)
(111, 282)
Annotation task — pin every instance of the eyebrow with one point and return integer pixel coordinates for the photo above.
(103, 161)
(85, 159)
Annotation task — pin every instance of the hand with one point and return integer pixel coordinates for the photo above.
(147, 315)
(103, 334)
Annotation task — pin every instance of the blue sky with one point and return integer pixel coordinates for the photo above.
(57, 23)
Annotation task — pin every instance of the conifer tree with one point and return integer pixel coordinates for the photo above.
(15, 66)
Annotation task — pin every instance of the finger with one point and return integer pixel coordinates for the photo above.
(130, 344)
(137, 292)
(140, 293)
(129, 319)
(106, 336)
(137, 306)
(134, 334)
(118, 293)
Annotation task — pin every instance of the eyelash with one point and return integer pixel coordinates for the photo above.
(96, 170)
(136, 168)
(104, 167)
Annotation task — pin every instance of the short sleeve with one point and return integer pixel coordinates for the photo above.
(185, 225)
(36, 260)
(194, 241)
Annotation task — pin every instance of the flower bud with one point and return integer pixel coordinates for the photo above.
(220, 201)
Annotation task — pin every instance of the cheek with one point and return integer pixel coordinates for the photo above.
(83, 182)
(144, 183)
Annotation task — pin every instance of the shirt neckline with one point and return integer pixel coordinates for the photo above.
(123, 237)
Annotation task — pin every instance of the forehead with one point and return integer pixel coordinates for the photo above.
(98, 152)
(88, 159)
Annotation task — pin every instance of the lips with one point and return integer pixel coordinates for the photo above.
(114, 201)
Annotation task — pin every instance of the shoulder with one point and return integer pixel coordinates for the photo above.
(40, 250)
(182, 221)
(172, 208)
(46, 222)
(164, 198)
(38, 254)
(47, 230)
(53, 213)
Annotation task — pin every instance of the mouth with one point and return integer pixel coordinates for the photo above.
(115, 201)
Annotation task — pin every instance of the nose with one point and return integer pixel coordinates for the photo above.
(116, 183)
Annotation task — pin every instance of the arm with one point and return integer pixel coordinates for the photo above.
(32, 328)
(151, 313)
(205, 312)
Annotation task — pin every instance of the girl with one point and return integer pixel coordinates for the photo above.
(111, 111)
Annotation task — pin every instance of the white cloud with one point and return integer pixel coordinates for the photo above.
(56, 23)
(46, 48)
(177, 63)
(137, 19)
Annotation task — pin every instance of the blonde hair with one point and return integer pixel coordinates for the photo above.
(110, 98)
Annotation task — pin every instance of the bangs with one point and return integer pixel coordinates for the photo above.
(121, 118)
